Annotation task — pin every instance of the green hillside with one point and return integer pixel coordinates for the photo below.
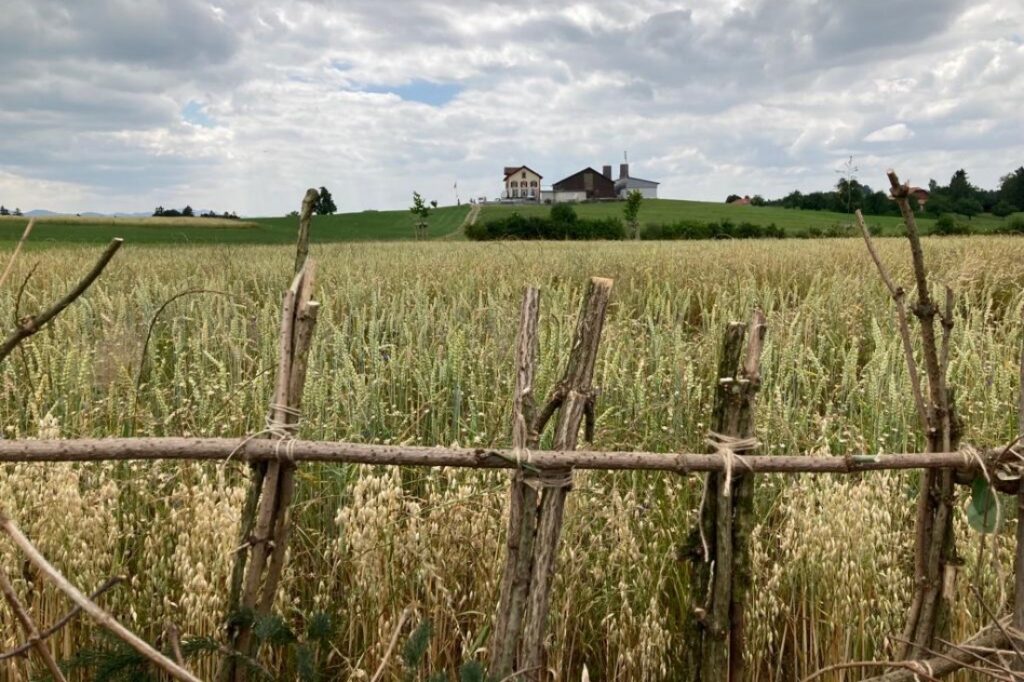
(672, 210)
(345, 227)
(445, 224)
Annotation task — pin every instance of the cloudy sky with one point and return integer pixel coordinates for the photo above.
(241, 104)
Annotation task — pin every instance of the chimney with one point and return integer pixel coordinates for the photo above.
(623, 170)
(608, 172)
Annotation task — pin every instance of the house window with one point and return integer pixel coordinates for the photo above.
(524, 174)
(533, 183)
(515, 184)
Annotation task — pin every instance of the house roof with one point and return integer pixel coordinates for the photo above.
(580, 172)
(634, 182)
(511, 170)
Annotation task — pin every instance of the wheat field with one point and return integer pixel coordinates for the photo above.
(414, 345)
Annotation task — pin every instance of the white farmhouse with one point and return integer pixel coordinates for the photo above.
(522, 182)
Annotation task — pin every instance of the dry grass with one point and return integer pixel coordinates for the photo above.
(415, 345)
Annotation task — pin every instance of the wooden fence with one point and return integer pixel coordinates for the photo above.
(541, 480)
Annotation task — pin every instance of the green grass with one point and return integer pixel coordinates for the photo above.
(672, 210)
(445, 223)
(345, 227)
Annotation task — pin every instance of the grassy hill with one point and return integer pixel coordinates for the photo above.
(445, 223)
(345, 227)
(672, 210)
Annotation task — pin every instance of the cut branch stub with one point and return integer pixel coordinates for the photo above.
(577, 385)
(305, 217)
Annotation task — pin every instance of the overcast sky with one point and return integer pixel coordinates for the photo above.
(241, 104)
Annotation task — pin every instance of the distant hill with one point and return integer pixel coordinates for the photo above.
(54, 228)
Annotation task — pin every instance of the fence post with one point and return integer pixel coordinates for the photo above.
(722, 537)
(265, 522)
(574, 398)
(522, 521)
(1018, 568)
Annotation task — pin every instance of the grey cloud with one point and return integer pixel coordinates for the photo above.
(766, 95)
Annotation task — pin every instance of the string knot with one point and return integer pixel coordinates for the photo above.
(729, 447)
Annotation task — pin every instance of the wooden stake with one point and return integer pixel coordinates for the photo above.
(522, 522)
(716, 523)
(275, 481)
(577, 389)
(743, 500)
(1018, 596)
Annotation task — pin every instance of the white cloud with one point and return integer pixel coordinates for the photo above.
(897, 132)
(748, 97)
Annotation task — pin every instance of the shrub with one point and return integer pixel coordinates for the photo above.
(567, 226)
(693, 229)
(1014, 225)
(1004, 209)
(948, 224)
(563, 213)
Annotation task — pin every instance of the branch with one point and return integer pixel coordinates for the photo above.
(950, 663)
(17, 249)
(30, 326)
(916, 669)
(64, 620)
(391, 645)
(90, 607)
(28, 625)
(266, 450)
(898, 296)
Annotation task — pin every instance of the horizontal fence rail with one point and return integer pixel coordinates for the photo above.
(253, 450)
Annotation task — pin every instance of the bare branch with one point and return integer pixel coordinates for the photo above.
(899, 296)
(28, 625)
(30, 326)
(391, 645)
(17, 250)
(257, 450)
(64, 620)
(90, 607)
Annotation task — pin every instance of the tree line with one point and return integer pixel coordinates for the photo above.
(6, 211)
(959, 196)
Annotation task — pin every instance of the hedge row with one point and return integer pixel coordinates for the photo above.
(564, 224)
(517, 226)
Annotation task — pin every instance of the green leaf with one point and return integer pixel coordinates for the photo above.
(471, 671)
(305, 664)
(416, 647)
(273, 630)
(983, 515)
(320, 627)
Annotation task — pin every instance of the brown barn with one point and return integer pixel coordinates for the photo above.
(592, 183)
